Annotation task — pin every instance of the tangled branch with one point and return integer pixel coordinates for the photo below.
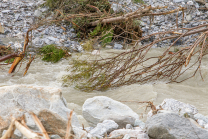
(134, 66)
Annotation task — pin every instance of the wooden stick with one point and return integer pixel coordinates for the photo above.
(40, 126)
(26, 132)
(10, 131)
(68, 130)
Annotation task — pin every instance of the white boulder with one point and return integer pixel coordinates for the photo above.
(100, 108)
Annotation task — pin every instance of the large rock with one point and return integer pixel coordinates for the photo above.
(173, 126)
(176, 107)
(100, 108)
(53, 123)
(19, 99)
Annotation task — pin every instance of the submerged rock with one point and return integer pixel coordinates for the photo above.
(100, 108)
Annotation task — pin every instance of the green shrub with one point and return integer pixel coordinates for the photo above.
(52, 53)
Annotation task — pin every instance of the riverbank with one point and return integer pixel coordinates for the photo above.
(102, 117)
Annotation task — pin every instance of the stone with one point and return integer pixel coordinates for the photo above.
(18, 99)
(6, 11)
(103, 128)
(55, 137)
(116, 7)
(100, 108)
(120, 120)
(17, 17)
(206, 126)
(126, 136)
(109, 46)
(201, 119)
(143, 136)
(30, 122)
(48, 42)
(79, 133)
(176, 107)
(17, 45)
(82, 121)
(53, 39)
(130, 132)
(139, 123)
(37, 13)
(95, 52)
(77, 108)
(189, 17)
(173, 126)
(118, 46)
(176, 1)
(129, 126)
(17, 134)
(1, 29)
(46, 31)
(37, 41)
(53, 123)
(190, 2)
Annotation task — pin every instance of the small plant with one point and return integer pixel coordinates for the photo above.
(106, 33)
(186, 115)
(88, 45)
(139, 1)
(52, 53)
(107, 36)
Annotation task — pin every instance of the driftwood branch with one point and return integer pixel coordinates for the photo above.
(136, 14)
(25, 131)
(40, 126)
(68, 130)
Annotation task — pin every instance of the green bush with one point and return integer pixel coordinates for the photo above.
(52, 53)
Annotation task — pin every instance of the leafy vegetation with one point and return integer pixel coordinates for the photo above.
(52, 53)
(83, 12)
(82, 70)
(88, 45)
(10, 60)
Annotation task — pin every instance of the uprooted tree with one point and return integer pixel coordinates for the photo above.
(97, 21)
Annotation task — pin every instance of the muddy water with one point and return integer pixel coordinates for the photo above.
(193, 91)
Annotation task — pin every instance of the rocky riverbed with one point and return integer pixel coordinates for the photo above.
(17, 16)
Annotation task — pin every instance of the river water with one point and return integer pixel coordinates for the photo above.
(193, 91)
